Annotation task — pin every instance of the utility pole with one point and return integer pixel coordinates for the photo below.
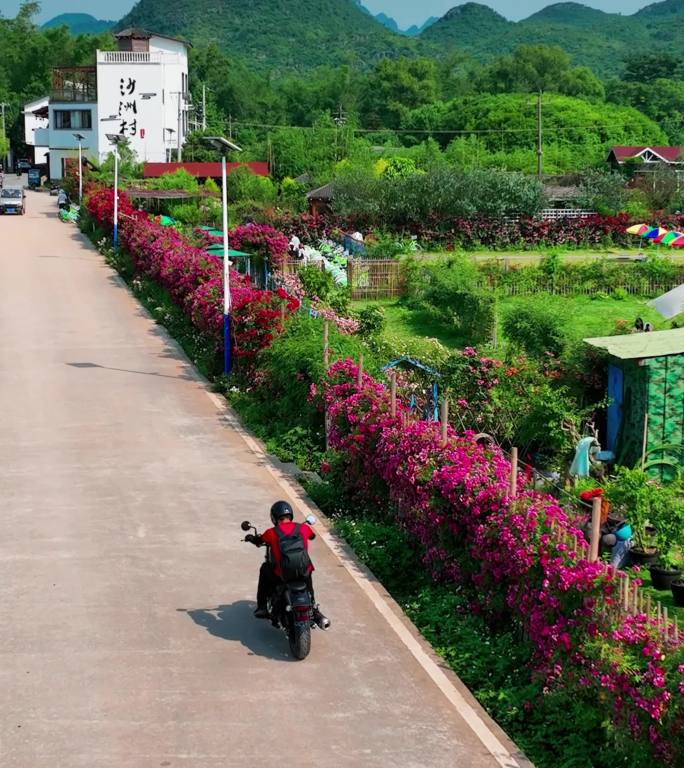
(204, 107)
(4, 129)
(540, 136)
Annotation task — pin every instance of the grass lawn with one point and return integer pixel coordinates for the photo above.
(584, 317)
(530, 258)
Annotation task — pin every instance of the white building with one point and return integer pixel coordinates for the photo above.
(139, 91)
(35, 124)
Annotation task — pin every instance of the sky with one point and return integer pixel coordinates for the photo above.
(406, 12)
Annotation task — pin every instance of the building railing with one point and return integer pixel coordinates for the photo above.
(553, 214)
(133, 57)
(69, 95)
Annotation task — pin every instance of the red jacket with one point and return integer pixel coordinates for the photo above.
(270, 537)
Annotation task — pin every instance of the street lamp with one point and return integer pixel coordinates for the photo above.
(116, 139)
(79, 137)
(223, 145)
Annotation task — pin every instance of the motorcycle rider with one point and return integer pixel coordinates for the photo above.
(282, 517)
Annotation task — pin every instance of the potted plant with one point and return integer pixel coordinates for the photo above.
(637, 497)
(677, 588)
(669, 533)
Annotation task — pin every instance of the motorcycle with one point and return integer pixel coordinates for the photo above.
(290, 607)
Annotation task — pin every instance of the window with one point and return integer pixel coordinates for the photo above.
(73, 119)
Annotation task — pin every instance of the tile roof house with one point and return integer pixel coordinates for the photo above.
(649, 155)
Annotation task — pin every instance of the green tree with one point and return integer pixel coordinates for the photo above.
(396, 86)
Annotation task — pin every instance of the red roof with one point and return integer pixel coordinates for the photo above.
(201, 170)
(669, 154)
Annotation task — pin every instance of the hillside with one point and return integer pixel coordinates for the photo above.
(79, 23)
(593, 38)
(276, 34)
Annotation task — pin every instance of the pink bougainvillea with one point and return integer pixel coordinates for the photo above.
(194, 279)
(454, 501)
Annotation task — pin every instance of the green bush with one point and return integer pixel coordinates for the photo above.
(371, 320)
(316, 283)
(292, 363)
(187, 213)
(535, 330)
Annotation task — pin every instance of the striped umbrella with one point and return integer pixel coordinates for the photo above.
(654, 233)
(670, 236)
(678, 243)
(637, 229)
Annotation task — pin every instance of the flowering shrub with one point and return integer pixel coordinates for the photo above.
(454, 501)
(193, 278)
(258, 239)
(483, 232)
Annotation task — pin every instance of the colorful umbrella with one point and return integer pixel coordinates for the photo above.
(670, 236)
(637, 229)
(678, 243)
(654, 233)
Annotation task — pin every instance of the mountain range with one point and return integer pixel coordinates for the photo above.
(282, 35)
(79, 23)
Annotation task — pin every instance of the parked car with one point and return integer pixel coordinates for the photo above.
(23, 165)
(12, 200)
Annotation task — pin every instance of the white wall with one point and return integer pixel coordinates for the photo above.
(63, 143)
(35, 130)
(142, 120)
(33, 123)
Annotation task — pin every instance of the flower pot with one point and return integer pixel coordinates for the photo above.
(639, 556)
(677, 588)
(662, 577)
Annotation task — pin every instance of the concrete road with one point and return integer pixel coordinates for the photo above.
(127, 639)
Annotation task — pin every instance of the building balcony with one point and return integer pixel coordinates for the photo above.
(137, 57)
(74, 84)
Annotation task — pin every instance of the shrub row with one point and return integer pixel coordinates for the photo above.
(193, 278)
(434, 233)
(454, 502)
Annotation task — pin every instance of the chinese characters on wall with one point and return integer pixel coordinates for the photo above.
(128, 107)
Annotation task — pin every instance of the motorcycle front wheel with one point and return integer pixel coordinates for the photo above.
(300, 640)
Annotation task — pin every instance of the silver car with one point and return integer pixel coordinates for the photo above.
(12, 200)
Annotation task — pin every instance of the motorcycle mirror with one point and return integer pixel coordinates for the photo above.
(246, 525)
(311, 520)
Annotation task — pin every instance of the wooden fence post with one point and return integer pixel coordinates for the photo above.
(595, 530)
(326, 346)
(514, 472)
(393, 394)
(445, 420)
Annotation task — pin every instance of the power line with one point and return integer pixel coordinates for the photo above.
(451, 132)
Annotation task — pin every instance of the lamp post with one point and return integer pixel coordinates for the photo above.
(223, 145)
(168, 150)
(116, 139)
(79, 137)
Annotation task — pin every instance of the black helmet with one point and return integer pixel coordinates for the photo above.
(279, 510)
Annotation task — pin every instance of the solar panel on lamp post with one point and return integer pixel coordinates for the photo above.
(224, 146)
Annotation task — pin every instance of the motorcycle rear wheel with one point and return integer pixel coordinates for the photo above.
(300, 641)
